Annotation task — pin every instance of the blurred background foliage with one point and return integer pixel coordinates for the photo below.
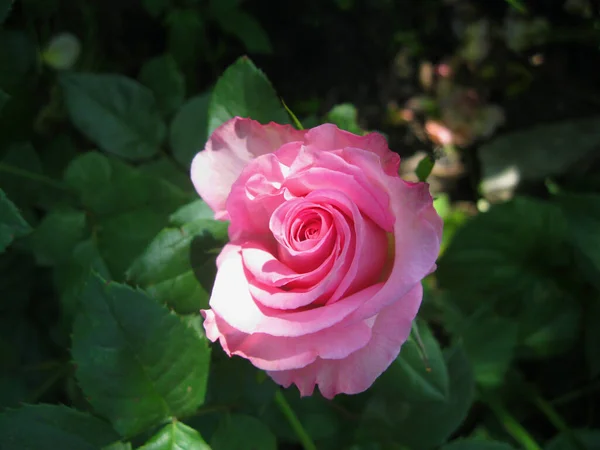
(104, 103)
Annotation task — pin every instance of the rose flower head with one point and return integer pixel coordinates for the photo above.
(321, 278)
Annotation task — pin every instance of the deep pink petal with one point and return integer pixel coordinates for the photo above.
(330, 137)
(314, 170)
(304, 258)
(327, 276)
(228, 150)
(417, 238)
(357, 372)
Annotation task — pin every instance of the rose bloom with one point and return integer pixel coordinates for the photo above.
(321, 279)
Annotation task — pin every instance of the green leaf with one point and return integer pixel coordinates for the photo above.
(166, 169)
(592, 337)
(116, 113)
(189, 129)
(118, 446)
(582, 212)
(476, 444)
(163, 77)
(345, 116)
(242, 432)
(538, 152)
(137, 363)
(123, 237)
(196, 210)
(50, 427)
(414, 376)
(54, 239)
(490, 342)
(5, 7)
(143, 191)
(165, 269)
(176, 436)
(243, 90)
(549, 326)
(247, 29)
(185, 29)
(70, 280)
(517, 258)
(12, 225)
(423, 424)
(156, 7)
(237, 381)
(125, 224)
(590, 439)
(424, 168)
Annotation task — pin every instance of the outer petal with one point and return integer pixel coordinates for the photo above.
(359, 370)
(330, 137)
(282, 353)
(228, 150)
(417, 238)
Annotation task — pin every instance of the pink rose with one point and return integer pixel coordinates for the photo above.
(322, 277)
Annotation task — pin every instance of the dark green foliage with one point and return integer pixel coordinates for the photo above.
(108, 255)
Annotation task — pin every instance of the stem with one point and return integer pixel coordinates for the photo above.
(289, 414)
(47, 385)
(553, 417)
(32, 176)
(510, 424)
(574, 395)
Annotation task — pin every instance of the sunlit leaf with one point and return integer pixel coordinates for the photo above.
(137, 363)
(243, 90)
(176, 436)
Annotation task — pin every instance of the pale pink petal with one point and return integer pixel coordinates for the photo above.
(357, 372)
(231, 300)
(228, 150)
(265, 269)
(282, 353)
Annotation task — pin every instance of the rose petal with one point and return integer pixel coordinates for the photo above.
(314, 169)
(417, 238)
(229, 149)
(326, 277)
(232, 301)
(313, 255)
(330, 137)
(357, 372)
(282, 353)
